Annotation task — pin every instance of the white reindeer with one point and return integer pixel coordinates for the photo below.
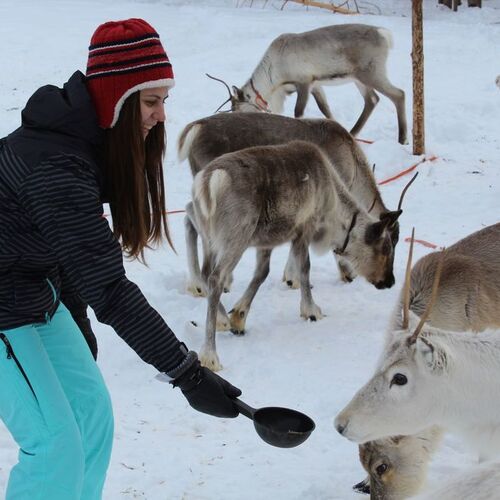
(303, 62)
(428, 376)
(269, 195)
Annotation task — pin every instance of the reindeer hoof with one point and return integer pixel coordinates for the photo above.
(211, 361)
(362, 487)
(222, 325)
(311, 314)
(237, 332)
(291, 283)
(346, 278)
(196, 291)
(226, 290)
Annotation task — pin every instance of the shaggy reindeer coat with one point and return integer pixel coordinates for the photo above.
(266, 196)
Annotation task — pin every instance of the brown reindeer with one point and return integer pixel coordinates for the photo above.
(268, 195)
(468, 299)
(208, 138)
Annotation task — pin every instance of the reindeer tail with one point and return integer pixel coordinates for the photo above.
(208, 187)
(186, 139)
(385, 33)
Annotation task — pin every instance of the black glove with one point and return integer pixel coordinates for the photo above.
(205, 390)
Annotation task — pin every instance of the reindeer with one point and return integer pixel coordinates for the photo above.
(269, 195)
(303, 62)
(397, 466)
(208, 138)
(428, 376)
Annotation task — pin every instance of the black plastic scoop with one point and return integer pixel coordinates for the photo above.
(280, 427)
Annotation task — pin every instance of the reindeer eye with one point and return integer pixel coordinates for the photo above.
(381, 469)
(399, 379)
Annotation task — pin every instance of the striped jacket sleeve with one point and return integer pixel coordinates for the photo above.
(62, 198)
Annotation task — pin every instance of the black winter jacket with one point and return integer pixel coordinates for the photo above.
(51, 218)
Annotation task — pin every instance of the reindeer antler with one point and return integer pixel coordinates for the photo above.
(432, 300)
(406, 289)
(404, 191)
(227, 87)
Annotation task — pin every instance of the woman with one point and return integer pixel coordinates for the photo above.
(99, 138)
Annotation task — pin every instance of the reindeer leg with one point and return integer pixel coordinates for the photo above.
(371, 99)
(208, 353)
(195, 285)
(320, 98)
(302, 97)
(308, 309)
(226, 259)
(290, 274)
(240, 310)
(222, 321)
(397, 96)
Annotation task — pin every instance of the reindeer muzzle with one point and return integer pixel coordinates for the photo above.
(388, 282)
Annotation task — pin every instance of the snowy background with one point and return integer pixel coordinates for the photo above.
(165, 450)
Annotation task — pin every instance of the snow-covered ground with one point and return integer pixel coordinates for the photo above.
(165, 450)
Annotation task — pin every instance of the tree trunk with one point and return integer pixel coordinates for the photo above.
(417, 57)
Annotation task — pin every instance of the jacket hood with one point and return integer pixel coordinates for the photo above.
(68, 111)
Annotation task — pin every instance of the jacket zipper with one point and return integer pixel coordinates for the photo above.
(11, 355)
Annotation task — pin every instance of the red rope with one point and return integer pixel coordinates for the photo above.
(364, 141)
(424, 243)
(406, 171)
(168, 212)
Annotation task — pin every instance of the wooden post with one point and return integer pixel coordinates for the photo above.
(417, 56)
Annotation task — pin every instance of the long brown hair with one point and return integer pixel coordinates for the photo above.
(134, 181)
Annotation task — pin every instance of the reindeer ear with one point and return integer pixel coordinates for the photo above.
(433, 355)
(390, 217)
(396, 440)
(375, 231)
(238, 93)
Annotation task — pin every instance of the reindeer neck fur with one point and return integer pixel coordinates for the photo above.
(338, 218)
(266, 84)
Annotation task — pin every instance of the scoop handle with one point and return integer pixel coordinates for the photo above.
(244, 409)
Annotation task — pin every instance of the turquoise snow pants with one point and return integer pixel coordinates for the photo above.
(55, 404)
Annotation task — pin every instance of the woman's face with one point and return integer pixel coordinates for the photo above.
(152, 108)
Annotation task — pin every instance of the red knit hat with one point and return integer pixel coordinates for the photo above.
(124, 57)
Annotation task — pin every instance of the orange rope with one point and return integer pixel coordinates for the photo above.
(168, 212)
(424, 243)
(406, 171)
